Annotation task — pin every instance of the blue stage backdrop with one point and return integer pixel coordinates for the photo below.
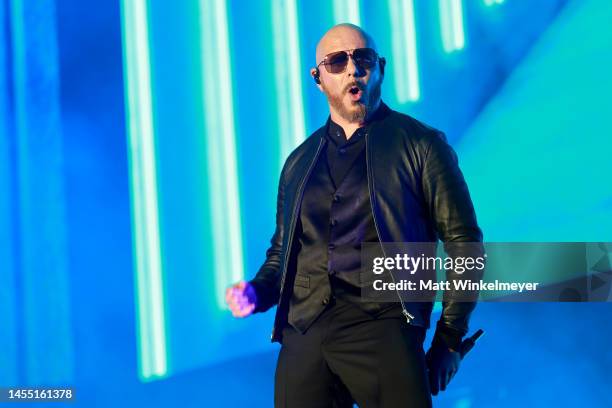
(141, 143)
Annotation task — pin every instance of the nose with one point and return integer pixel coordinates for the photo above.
(353, 69)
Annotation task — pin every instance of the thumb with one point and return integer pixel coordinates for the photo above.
(428, 356)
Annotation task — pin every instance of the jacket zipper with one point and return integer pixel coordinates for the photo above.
(292, 226)
(405, 312)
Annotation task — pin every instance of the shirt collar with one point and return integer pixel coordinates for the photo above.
(335, 132)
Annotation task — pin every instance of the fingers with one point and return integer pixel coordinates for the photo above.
(451, 374)
(228, 295)
(237, 301)
(235, 293)
(444, 379)
(243, 311)
(447, 378)
(443, 364)
(438, 381)
(434, 381)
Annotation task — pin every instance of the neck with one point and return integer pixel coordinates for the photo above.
(350, 127)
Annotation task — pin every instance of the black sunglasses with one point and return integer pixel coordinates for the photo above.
(336, 62)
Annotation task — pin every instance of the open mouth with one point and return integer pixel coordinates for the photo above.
(355, 93)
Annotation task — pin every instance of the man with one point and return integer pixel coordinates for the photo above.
(369, 175)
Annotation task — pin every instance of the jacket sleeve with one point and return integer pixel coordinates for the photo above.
(267, 280)
(450, 206)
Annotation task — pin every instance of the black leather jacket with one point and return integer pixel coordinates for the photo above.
(417, 194)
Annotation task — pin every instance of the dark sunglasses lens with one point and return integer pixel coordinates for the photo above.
(365, 57)
(336, 62)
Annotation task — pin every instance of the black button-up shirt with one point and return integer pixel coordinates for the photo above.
(335, 219)
(341, 153)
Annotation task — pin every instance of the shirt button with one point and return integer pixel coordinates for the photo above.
(325, 300)
(336, 198)
(331, 247)
(333, 222)
(342, 150)
(333, 272)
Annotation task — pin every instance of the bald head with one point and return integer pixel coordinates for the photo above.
(343, 37)
(353, 87)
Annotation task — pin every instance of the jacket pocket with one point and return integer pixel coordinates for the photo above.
(302, 280)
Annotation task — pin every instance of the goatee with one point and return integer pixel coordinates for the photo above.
(359, 111)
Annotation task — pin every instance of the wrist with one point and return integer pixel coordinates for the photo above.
(447, 337)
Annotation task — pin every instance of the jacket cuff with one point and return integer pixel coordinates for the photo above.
(447, 336)
(261, 296)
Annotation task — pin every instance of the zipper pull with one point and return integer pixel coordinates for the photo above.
(409, 317)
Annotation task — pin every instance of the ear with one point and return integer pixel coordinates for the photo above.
(382, 62)
(315, 74)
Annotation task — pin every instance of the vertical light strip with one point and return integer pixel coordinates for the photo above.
(451, 24)
(145, 218)
(347, 11)
(288, 66)
(45, 352)
(406, 68)
(8, 271)
(221, 147)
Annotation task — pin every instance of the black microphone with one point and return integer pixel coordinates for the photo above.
(468, 344)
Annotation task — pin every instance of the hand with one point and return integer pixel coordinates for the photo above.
(241, 299)
(443, 363)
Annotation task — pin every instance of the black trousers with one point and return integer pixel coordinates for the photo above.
(347, 355)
